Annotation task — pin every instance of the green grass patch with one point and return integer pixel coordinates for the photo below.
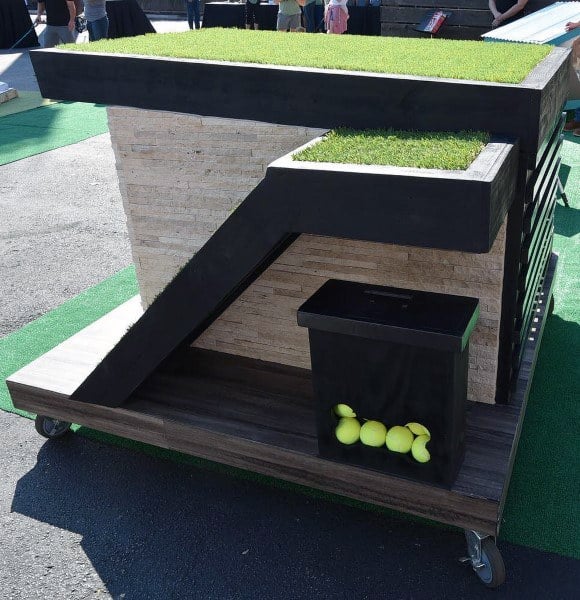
(425, 150)
(503, 63)
(25, 345)
(48, 127)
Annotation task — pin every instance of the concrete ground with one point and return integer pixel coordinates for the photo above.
(80, 519)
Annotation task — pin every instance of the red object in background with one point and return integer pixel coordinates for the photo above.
(433, 21)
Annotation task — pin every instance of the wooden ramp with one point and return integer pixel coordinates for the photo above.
(261, 417)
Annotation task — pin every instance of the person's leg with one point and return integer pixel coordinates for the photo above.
(196, 18)
(98, 29)
(66, 35)
(328, 19)
(255, 15)
(51, 37)
(282, 22)
(309, 11)
(190, 15)
(250, 15)
(319, 17)
(294, 22)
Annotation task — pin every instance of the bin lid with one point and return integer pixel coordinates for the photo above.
(409, 317)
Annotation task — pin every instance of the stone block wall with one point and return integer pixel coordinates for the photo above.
(182, 175)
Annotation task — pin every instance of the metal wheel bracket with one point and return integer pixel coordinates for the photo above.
(474, 539)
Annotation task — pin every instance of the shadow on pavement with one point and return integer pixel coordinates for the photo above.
(157, 530)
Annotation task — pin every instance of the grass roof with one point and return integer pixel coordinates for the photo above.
(498, 62)
(427, 150)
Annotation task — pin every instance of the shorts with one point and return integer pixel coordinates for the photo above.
(286, 22)
(251, 13)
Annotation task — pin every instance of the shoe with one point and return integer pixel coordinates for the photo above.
(571, 125)
(576, 132)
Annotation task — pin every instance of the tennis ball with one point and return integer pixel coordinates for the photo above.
(373, 433)
(418, 429)
(418, 450)
(399, 439)
(347, 431)
(344, 410)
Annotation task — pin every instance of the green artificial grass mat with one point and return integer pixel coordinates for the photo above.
(426, 150)
(25, 345)
(25, 101)
(35, 131)
(542, 504)
(505, 63)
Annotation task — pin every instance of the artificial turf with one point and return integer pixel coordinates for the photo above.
(426, 150)
(25, 101)
(48, 127)
(504, 63)
(542, 504)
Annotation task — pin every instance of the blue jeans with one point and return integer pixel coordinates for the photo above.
(192, 13)
(98, 29)
(313, 17)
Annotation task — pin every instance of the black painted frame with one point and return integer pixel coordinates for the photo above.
(279, 94)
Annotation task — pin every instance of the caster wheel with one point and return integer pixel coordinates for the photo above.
(492, 570)
(51, 428)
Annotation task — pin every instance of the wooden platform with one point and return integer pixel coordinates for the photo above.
(260, 416)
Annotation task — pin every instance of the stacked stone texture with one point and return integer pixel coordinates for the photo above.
(182, 175)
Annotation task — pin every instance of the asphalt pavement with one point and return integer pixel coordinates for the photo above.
(81, 519)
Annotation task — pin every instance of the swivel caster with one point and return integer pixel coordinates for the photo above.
(485, 559)
(51, 428)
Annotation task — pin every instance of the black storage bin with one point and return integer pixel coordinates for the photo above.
(395, 356)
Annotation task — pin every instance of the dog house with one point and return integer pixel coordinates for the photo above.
(230, 237)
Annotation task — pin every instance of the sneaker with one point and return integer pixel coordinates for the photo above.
(571, 125)
(576, 132)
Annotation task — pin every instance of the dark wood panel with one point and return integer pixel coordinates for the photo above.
(465, 18)
(368, 486)
(547, 195)
(523, 325)
(524, 319)
(528, 271)
(458, 5)
(547, 173)
(545, 212)
(515, 238)
(551, 139)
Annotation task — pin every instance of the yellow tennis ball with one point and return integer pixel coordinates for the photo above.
(399, 439)
(418, 429)
(373, 433)
(347, 430)
(418, 450)
(344, 410)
